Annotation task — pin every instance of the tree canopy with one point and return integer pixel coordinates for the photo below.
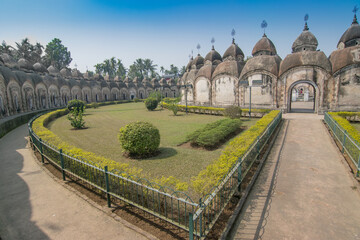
(142, 68)
(113, 67)
(57, 54)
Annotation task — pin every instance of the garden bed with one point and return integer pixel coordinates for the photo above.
(106, 121)
(218, 180)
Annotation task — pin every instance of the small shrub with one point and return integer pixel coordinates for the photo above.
(213, 133)
(76, 108)
(76, 105)
(233, 112)
(137, 100)
(174, 108)
(151, 103)
(140, 139)
(94, 105)
(157, 95)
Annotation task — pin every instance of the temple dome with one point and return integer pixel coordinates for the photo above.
(198, 61)
(262, 63)
(306, 41)
(232, 68)
(206, 71)
(343, 57)
(65, 72)
(53, 70)
(213, 56)
(264, 47)
(8, 60)
(351, 36)
(39, 67)
(305, 58)
(233, 53)
(25, 64)
(76, 73)
(188, 66)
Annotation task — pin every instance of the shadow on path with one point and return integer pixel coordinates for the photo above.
(15, 206)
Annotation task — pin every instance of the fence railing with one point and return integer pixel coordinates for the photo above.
(213, 204)
(172, 206)
(163, 202)
(348, 144)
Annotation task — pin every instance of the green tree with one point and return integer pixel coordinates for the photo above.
(142, 68)
(4, 48)
(57, 54)
(28, 51)
(162, 70)
(182, 70)
(121, 70)
(149, 68)
(112, 67)
(173, 70)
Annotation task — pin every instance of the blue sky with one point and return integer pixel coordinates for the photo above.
(167, 31)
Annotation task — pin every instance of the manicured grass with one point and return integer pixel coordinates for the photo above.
(103, 127)
(356, 125)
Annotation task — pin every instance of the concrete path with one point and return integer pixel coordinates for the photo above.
(33, 205)
(305, 191)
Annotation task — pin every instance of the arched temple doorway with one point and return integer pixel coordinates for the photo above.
(303, 97)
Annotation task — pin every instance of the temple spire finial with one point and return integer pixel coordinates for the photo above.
(212, 42)
(355, 18)
(306, 18)
(233, 35)
(264, 26)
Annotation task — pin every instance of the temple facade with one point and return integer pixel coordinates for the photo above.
(264, 81)
(267, 81)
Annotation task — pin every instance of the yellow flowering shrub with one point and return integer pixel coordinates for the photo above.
(39, 128)
(212, 174)
(339, 117)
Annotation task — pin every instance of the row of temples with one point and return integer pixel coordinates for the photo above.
(26, 88)
(268, 81)
(265, 79)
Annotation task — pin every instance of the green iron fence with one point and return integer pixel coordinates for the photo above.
(212, 205)
(348, 144)
(163, 202)
(172, 206)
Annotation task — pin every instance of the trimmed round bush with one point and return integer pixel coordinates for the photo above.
(151, 103)
(140, 139)
(233, 112)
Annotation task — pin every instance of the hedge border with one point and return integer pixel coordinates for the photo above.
(220, 111)
(342, 119)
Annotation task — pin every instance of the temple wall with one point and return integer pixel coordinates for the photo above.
(224, 91)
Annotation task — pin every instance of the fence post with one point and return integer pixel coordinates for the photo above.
(258, 147)
(62, 165)
(239, 176)
(107, 186)
(343, 143)
(200, 217)
(33, 143)
(358, 173)
(191, 226)
(41, 150)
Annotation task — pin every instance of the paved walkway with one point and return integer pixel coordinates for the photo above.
(305, 192)
(34, 206)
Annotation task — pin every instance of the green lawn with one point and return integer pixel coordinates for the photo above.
(356, 125)
(103, 126)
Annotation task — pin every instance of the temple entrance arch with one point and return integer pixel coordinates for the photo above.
(303, 96)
